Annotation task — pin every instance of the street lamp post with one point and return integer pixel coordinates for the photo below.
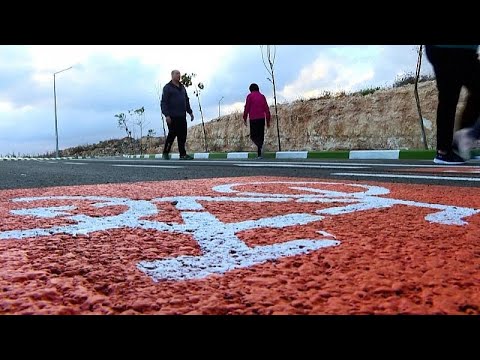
(219, 106)
(55, 102)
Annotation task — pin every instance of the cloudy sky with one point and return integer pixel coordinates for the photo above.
(108, 80)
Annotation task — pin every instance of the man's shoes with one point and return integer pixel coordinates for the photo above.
(449, 158)
(463, 142)
(186, 157)
(165, 156)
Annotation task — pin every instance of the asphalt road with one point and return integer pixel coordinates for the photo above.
(46, 173)
(239, 245)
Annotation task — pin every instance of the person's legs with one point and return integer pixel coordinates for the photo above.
(449, 84)
(257, 133)
(261, 136)
(172, 134)
(471, 80)
(181, 126)
(464, 140)
(253, 132)
(469, 130)
(448, 75)
(448, 94)
(475, 132)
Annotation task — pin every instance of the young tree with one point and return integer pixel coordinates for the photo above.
(419, 109)
(150, 135)
(123, 124)
(268, 55)
(140, 122)
(161, 115)
(186, 80)
(198, 88)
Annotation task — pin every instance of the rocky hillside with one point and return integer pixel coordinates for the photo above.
(116, 147)
(384, 119)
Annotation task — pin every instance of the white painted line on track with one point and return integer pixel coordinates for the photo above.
(150, 166)
(425, 177)
(303, 166)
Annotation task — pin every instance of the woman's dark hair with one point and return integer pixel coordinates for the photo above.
(254, 87)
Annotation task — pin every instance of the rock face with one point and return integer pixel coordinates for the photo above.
(386, 119)
(116, 147)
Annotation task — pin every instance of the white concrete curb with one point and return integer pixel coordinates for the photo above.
(374, 154)
(291, 154)
(237, 155)
(354, 154)
(201, 155)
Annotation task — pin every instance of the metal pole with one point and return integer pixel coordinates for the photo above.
(219, 106)
(55, 102)
(56, 126)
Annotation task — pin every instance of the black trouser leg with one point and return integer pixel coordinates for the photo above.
(257, 133)
(448, 75)
(172, 134)
(471, 112)
(181, 131)
(455, 68)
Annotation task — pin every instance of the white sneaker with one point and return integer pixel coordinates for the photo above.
(463, 142)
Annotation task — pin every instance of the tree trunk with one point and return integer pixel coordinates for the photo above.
(276, 112)
(417, 99)
(201, 114)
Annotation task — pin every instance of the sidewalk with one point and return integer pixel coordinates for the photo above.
(352, 154)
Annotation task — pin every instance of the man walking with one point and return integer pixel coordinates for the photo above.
(175, 105)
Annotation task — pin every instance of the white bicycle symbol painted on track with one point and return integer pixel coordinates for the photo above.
(222, 250)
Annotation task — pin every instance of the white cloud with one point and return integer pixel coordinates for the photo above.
(233, 107)
(6, 106)
(200, 59)
(327, 74)
(8, 110)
